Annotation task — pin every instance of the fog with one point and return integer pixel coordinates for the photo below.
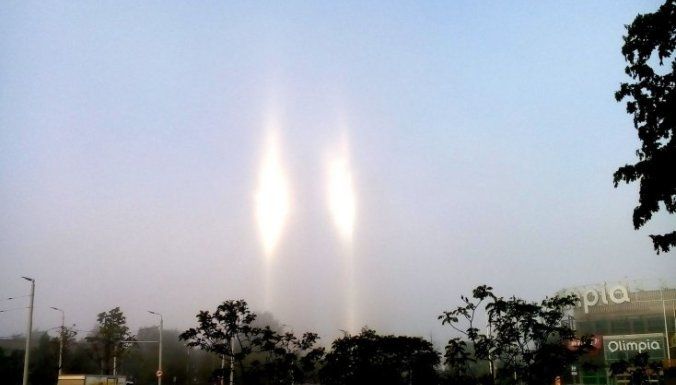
(479, 142)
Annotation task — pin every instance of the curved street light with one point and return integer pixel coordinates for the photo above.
(63, 319)
(26, 357)
(159, 365)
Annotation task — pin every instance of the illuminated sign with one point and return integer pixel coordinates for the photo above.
(623, 347)
(576, 343)
(616, 294)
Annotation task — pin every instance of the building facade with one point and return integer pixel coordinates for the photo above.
(625, 318)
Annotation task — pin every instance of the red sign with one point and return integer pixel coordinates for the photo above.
(576, 343)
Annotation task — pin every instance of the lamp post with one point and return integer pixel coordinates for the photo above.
(26, 358)
(666, 328)
(159, 365)
(63, 319)
(664, 315)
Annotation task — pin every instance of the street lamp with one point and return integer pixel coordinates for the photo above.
(26, 357)
(63, 331)
(159, 366)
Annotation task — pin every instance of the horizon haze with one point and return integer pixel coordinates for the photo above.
(336, 164)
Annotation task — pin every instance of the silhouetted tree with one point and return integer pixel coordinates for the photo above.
(44, 364)
(639, 369)
(105, 341)
(68, 334)
(525, 341)
(458, 356)
(81, 359)
(44, 361)
(649, 43)
(11, 366)
(369, 358)
(226, 332)
(289, 359)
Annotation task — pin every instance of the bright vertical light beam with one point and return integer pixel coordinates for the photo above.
(343, 209)
(342, 202)
(272, 197)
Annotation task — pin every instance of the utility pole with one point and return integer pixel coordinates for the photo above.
(159, 365)
(26, 358)
(63, 331)
(666, 328)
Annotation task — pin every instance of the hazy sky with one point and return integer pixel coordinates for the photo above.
(481, 138)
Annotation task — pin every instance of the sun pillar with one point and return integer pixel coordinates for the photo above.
(272, 200)
(343, 209)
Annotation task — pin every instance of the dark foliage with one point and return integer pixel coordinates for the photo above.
(649, 51)
(369, 358)
(638, 370)
(11, 366)
(288, 359)
(523, 341)
(44, 361)
(227, 332)
(105, 342)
